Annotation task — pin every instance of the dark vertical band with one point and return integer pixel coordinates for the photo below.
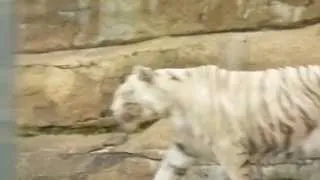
(7, 47)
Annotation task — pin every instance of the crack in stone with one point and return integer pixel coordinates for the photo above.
(118, 153)
(92, 129)
(106, 43)
(300, 161)
(294, 25)
(91, 64)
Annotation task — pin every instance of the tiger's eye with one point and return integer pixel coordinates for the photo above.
(128, 104)
(127, 93)
(133, 108)
(127, 117)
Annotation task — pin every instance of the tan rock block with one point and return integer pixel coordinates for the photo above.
(46, 25)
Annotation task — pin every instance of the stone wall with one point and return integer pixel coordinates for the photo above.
(72, 54)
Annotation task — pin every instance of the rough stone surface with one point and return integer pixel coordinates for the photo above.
(69, 158)
(46, 25)
(100, 157)
(68, 89)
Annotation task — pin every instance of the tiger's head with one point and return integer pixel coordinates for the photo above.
(142, 99)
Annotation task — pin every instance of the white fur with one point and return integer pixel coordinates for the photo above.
(215, 110)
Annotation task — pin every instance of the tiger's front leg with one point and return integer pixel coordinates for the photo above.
(236, 162)
(175, 163)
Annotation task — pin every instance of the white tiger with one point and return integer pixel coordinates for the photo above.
(230, 115)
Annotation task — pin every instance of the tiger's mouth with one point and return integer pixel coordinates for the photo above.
(132, 122)
(155, 118)
(147, 124)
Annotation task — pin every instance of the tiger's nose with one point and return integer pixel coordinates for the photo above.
(106, 112)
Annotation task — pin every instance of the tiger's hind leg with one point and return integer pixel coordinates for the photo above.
(175, 163)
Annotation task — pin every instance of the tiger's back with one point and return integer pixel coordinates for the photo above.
(270, 110)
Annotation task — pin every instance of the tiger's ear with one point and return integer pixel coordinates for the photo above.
(144, 73)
